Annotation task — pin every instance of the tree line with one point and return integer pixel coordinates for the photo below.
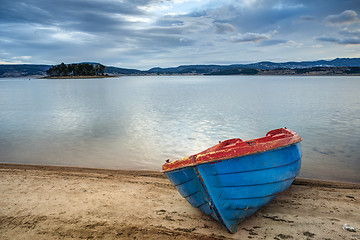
(76, 69)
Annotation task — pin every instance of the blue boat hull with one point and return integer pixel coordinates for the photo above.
(232, 189)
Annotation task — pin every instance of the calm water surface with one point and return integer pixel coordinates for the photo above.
(138, 122)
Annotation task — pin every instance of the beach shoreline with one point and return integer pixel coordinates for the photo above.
(78, 77)
(52, 202)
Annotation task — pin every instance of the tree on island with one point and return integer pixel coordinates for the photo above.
(76, 69)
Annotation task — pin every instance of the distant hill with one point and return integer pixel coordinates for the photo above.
(123, 71)
(227, 69)
(338, 62)
(320, 67)
(19, 70)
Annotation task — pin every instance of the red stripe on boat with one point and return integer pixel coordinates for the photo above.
(236, 148)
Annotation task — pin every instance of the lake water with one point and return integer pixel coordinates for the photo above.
(139, 122)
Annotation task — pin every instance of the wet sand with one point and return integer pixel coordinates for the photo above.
(44, 202)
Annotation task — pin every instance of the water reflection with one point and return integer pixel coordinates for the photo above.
(138, 122)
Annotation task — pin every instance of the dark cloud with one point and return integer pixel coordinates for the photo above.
(249, 37)
(345, 36)
(62, 11)
(345, 41)
(262, 17)
(328, 39)
(134, 31)
(350, 41)
(164, 31)
(223, 27)
(189, 24)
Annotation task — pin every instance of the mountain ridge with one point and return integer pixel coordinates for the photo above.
(335, 66)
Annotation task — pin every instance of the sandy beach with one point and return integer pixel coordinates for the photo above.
(45, 202)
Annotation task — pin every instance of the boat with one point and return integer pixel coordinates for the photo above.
(233, 179)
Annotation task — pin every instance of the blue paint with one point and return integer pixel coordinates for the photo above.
(232, 189)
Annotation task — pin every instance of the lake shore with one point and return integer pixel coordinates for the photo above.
(50, 202)
(77, 77)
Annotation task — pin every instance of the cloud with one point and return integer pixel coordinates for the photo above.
(294, 43)
(272, 42)
(349, 32)
(169, 22)
(345, 36)
(223, 27)
(328, 39)
(22, 57)
(350, 41)
(64, 11)
(249, 37)
(308, 18)
(262, 16)
(317, 46)
(345, 41)
(345, 18)
(174, 32)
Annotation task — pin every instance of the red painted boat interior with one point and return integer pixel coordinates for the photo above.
(236, 148)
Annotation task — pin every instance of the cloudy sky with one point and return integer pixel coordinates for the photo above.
(148, 33)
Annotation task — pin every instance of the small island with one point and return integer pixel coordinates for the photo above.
(76, 70)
